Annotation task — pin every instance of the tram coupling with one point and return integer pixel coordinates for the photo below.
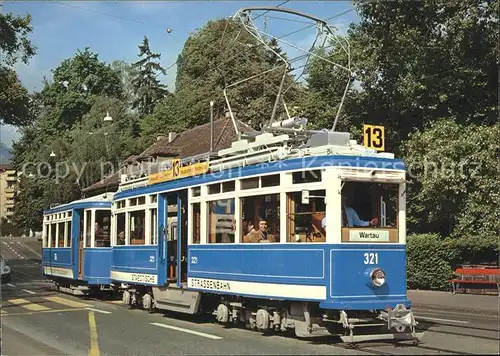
(400, 323)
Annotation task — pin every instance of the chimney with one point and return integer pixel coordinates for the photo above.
(227, 114)
(158, 138)
(171, 136)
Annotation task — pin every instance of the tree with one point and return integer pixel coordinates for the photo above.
(148, 89)
(127, 74)
(420, 61)
(455, 172)
(15, 45)
(69, 121)
(14, 41)
(416, 62)
(220, 54)
(77, 82)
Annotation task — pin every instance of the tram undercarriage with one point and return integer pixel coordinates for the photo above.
(74, 287)
(307, 320)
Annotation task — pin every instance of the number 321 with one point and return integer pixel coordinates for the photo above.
(370, 258)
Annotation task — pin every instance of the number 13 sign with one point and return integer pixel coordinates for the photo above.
(373, 137)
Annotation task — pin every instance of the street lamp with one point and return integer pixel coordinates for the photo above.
(52, 154)
(107, 117)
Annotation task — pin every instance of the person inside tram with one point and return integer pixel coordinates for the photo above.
(98, 229)
(261, 235)
(121, 238)
(350, 217)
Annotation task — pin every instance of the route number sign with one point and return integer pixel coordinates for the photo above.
(374, 137)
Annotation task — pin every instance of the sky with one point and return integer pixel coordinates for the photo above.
(113, 29)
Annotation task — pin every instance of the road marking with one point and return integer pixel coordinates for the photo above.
(99, 310)
(69, 303)
(28, 291)
(439, 319)
(208, 336)
(23, 245)
(115, 302)
(43, 311)
(27, 304)
(11, 285)
(94, 345)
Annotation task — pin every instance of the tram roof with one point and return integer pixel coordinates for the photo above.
(99, 201)
(292, 164)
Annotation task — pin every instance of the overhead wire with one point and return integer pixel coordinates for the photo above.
(250, 47)
(204, 74)
(193, 81)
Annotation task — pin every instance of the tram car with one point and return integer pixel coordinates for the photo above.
(272, 235)
(76, 245)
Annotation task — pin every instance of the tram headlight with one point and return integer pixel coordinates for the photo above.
(378, 277)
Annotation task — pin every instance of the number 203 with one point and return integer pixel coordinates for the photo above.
(370, 258)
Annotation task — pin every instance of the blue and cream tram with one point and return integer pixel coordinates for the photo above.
(76, 250)
(271, 235)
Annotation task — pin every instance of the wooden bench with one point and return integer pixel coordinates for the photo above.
(483, 278)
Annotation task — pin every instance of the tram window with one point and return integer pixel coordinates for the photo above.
(304, 221)
(306, 176)
(141, 200)
(102, 228)
(68, 243)
(250, 183)
(120, 204)
(88, 228)
(221, 227)
(370, 204)
(136, 225)
(214, 188)
(196, 223)
(80, 237)
(60, 242)
(153, 198)
(196, 191)
(120, 228)
(270, 181)
(261, 218)
(70, 213)
(154, 226)
(132, 202)
(44, 235)
(52, 235)
(228, 186)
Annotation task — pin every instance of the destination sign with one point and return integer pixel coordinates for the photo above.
(143, 278)
(369, 235)
(178, 172)
(211, 284)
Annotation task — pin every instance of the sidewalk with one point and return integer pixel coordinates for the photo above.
(446, 300)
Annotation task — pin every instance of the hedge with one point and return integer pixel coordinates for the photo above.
(428, 262)
(431, 260)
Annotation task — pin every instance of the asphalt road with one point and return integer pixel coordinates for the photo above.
(39, 321)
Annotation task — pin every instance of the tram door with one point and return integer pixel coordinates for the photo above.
(80, 247)
(177, 231)
(183, 237)
(171, 235)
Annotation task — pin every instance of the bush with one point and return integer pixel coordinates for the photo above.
(475, 250)
(429, 262)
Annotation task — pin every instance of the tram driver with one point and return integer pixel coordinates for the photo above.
(350, 217)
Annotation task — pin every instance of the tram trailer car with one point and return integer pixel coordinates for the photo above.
(312, 277)
(76, 250)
